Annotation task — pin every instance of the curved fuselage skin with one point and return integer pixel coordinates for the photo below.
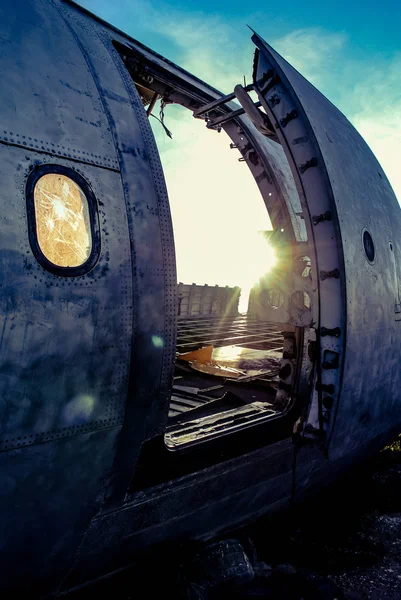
(66, 510)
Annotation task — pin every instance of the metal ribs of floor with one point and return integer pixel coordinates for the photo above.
(195, 332)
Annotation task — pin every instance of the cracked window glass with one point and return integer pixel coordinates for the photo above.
(62, 220)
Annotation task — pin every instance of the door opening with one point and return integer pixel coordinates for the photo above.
(240, 241)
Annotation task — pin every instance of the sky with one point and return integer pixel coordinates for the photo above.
(349, 49)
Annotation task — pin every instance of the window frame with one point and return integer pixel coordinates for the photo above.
(52, 169)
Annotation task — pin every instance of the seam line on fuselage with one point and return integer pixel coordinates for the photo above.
(62, 156)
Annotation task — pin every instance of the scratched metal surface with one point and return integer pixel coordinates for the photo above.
(282, 173)
(370, 402)
(227, 495)
(152, 247)
(66, 513)
(68, 347)
(64, 356)
(49, 75)
(65, 344)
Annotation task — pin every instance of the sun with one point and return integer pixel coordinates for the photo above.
(258, 258)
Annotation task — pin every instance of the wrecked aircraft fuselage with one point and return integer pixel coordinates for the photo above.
(96, 464)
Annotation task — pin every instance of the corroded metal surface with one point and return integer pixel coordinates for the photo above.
(87, 356)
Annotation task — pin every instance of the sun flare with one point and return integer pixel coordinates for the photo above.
(259, 257)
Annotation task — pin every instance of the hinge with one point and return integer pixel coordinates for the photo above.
(217, 103)
(327, 216)
(309, 163)
(248, 107)
(335, 273)
(335, 332)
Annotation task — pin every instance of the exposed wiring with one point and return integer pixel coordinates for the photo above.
(168, 132)
(161, 119)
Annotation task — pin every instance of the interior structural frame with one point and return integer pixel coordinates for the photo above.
(248, 136)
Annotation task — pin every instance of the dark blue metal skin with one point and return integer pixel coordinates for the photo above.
(87, 362)
(362, 303)
(83, 381)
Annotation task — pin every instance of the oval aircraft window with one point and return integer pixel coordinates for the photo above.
(62, 223)
(369, 246)
(62, 220)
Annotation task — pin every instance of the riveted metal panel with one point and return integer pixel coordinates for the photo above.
(147, 204)
(65, 344)
(49, 101)
(338, 172)
(48, 494)
(152, 245)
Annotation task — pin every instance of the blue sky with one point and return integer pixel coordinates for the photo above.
(373, 26)
(349, 49)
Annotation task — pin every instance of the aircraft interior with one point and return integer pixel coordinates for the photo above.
(234, 369)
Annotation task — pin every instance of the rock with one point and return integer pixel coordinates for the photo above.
(249, 548)
(197, 592)
(262, 570)
(262, 585)
(286, 569)
(317, 587)
(222, 564)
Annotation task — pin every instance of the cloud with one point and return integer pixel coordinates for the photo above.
(367, 91)
(383, 134)
(376, 113)
(313, 52)
(216, 207)
(218, 49)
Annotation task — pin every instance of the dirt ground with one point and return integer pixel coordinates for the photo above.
(348, 540)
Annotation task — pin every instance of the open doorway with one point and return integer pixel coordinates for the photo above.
(221, 224)
(227, 361)
(237, 361)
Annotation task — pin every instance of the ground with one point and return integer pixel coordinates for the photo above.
(351, 536)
